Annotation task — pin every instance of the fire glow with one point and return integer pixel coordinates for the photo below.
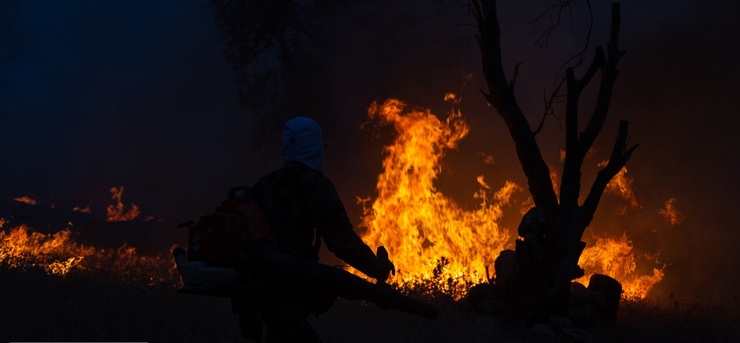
(437, 245)
(615, 257)
(433, 240)
(59, 255)
(26, 199)
(671, 213)
(117, 212)
(56, 254)
(621, 185)
(430, 237)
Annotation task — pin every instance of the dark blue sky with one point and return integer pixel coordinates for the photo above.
(95, 94)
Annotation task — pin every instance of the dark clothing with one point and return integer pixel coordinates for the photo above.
(305, 209)
(309, 209)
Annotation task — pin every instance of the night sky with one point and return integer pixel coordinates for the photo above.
(138, 94)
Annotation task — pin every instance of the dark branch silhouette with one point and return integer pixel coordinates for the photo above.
(547, 259)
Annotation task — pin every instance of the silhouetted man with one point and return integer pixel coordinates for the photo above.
(308, 210)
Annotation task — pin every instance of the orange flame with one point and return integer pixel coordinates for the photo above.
(615, 258)
(671, 213)
(58, 254)
(117, 211)
(26, 199)
(621, 185)
(429, 236)
(438, 246)
(85, 209)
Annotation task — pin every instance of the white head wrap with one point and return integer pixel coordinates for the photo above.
(302, 142)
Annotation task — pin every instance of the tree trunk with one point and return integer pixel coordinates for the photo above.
(550, 244)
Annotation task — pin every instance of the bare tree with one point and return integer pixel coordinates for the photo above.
(547, 280)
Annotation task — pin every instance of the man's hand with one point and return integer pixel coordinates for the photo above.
(385, 266)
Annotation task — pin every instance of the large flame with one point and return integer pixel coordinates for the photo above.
(437, 245)
(615, 257)
(431, 239)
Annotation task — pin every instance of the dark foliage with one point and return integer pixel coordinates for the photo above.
(279, 51)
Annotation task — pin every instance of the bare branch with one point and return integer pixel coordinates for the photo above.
(578, 57)
(570, 184)
(555, 15)
(609, 75)
(516, 74)
(554, 96)
(580, 54)
(502, 98)
(619, 157)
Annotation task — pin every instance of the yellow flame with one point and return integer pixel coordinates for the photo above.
(614, 257)
(435, 244)
(117, 212)
(55, 253)
(58, 254)
(621, 184)
(429, 236)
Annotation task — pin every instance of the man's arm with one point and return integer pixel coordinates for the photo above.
(338, 233)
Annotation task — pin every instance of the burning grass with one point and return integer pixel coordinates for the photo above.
(118, 295)
(59, 255)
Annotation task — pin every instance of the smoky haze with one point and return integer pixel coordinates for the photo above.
(137, 94)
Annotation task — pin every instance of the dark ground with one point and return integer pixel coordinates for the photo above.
(88, 307)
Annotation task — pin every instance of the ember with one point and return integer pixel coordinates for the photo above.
(29, 200)
(85, 209)
(671, 213)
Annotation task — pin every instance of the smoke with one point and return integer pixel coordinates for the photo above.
(137, 94)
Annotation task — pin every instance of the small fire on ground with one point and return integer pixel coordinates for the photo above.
(59, 254)
(615, 257)
(21, 247)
